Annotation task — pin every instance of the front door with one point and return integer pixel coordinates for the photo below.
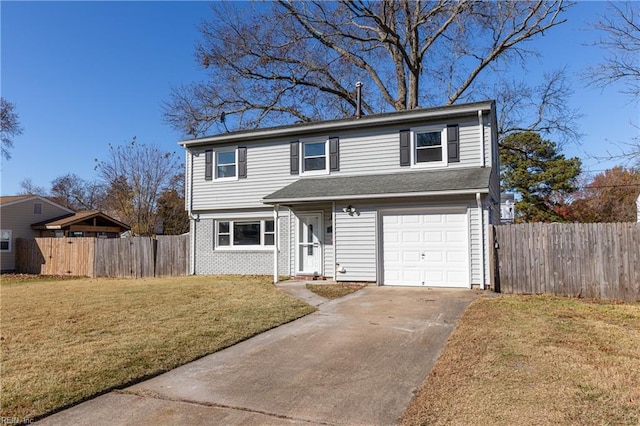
(309, 251)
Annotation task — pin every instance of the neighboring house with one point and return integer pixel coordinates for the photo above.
(402, 198)
(82, 224)
(507, 208)
(17, 214)
(31, 216)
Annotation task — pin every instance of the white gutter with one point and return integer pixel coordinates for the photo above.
(276, 237)
(193, 219)
(370, 196)
(482, 141)
(482, 238)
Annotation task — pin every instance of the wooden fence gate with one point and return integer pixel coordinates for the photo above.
(599, 260)
(133, 257)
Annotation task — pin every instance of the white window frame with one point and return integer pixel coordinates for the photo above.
(216, 153)
(10, 240)
(443, 144)
(324, 171)
(232, 247)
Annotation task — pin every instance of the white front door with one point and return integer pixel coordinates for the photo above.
(309, 253)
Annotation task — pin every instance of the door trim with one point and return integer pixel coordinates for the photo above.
(320, 215)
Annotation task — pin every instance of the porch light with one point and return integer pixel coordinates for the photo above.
(350, 210)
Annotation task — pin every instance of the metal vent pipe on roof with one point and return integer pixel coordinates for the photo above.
(359, 99)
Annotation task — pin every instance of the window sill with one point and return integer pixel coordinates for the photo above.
(244, 248)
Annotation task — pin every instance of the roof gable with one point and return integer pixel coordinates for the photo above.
(75, 218)
(9, 200)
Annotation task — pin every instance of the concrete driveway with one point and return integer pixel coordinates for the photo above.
(356, 361)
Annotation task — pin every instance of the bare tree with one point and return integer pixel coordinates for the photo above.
(76, 193)
(620, 29)
(28, 187)
(9, 127)
(299, 61)
(621, 41)
(135, 176)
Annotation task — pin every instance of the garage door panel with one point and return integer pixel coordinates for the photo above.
(429, 249)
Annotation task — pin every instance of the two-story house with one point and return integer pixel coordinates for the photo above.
(402, 198)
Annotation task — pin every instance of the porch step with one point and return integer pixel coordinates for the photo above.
(309, 278)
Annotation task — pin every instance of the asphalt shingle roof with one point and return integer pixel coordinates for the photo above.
(411, 183)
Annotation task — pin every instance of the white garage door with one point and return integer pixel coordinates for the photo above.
(426, 249)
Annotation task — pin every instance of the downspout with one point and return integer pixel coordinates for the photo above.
(192, 218)
(333, 236)
(276, 237)
(481, 126)
(482, 238)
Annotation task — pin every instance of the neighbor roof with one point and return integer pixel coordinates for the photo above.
(407, 184)
(8, 200)
(67, 220)
(301, 129)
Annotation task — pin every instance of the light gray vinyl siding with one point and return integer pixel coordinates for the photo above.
(268, 164)
(356, 244)
(267, 171)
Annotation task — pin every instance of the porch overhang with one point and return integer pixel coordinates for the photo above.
(420, 183)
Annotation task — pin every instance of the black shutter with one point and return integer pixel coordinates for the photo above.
(208, 164)
(295, 158)
(453, 143)
(334, 154)
(405, 148)
(242, 162)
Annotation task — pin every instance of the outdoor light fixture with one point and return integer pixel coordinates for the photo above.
(350, 210)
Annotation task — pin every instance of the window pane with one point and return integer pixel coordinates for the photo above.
(245, 234)
(428, 139)
(426, 155)
(315, 164)
(227, 171)
(226, 157)
(268, 239)
(223, 227)
(268, 226)
(314, 149)
(223, 240)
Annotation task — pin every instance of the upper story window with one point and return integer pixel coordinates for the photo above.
(5, 240)
(432, 146)
(245, 233)
(225, 163)
(37, 208)
(315, 156)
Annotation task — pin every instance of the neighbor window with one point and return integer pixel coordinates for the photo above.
(5, 240)
(245, 233)
(225, 164)
(37, 208)
(314, 156)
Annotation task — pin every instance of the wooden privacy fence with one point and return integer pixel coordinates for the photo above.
(599, 260)
(133, 257)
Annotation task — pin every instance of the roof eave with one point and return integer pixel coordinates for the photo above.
(272, 201)
(342, 124)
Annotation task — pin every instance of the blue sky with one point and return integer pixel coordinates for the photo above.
(86, 74)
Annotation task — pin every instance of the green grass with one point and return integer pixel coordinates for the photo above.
(536, 360)
(334, 291)
(65, 341)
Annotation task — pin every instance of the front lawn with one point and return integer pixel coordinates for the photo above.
(536, 360)
(65, 341)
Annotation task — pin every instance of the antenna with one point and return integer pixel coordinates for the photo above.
(223, 119)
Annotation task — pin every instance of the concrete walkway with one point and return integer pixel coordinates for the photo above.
(356, 361)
